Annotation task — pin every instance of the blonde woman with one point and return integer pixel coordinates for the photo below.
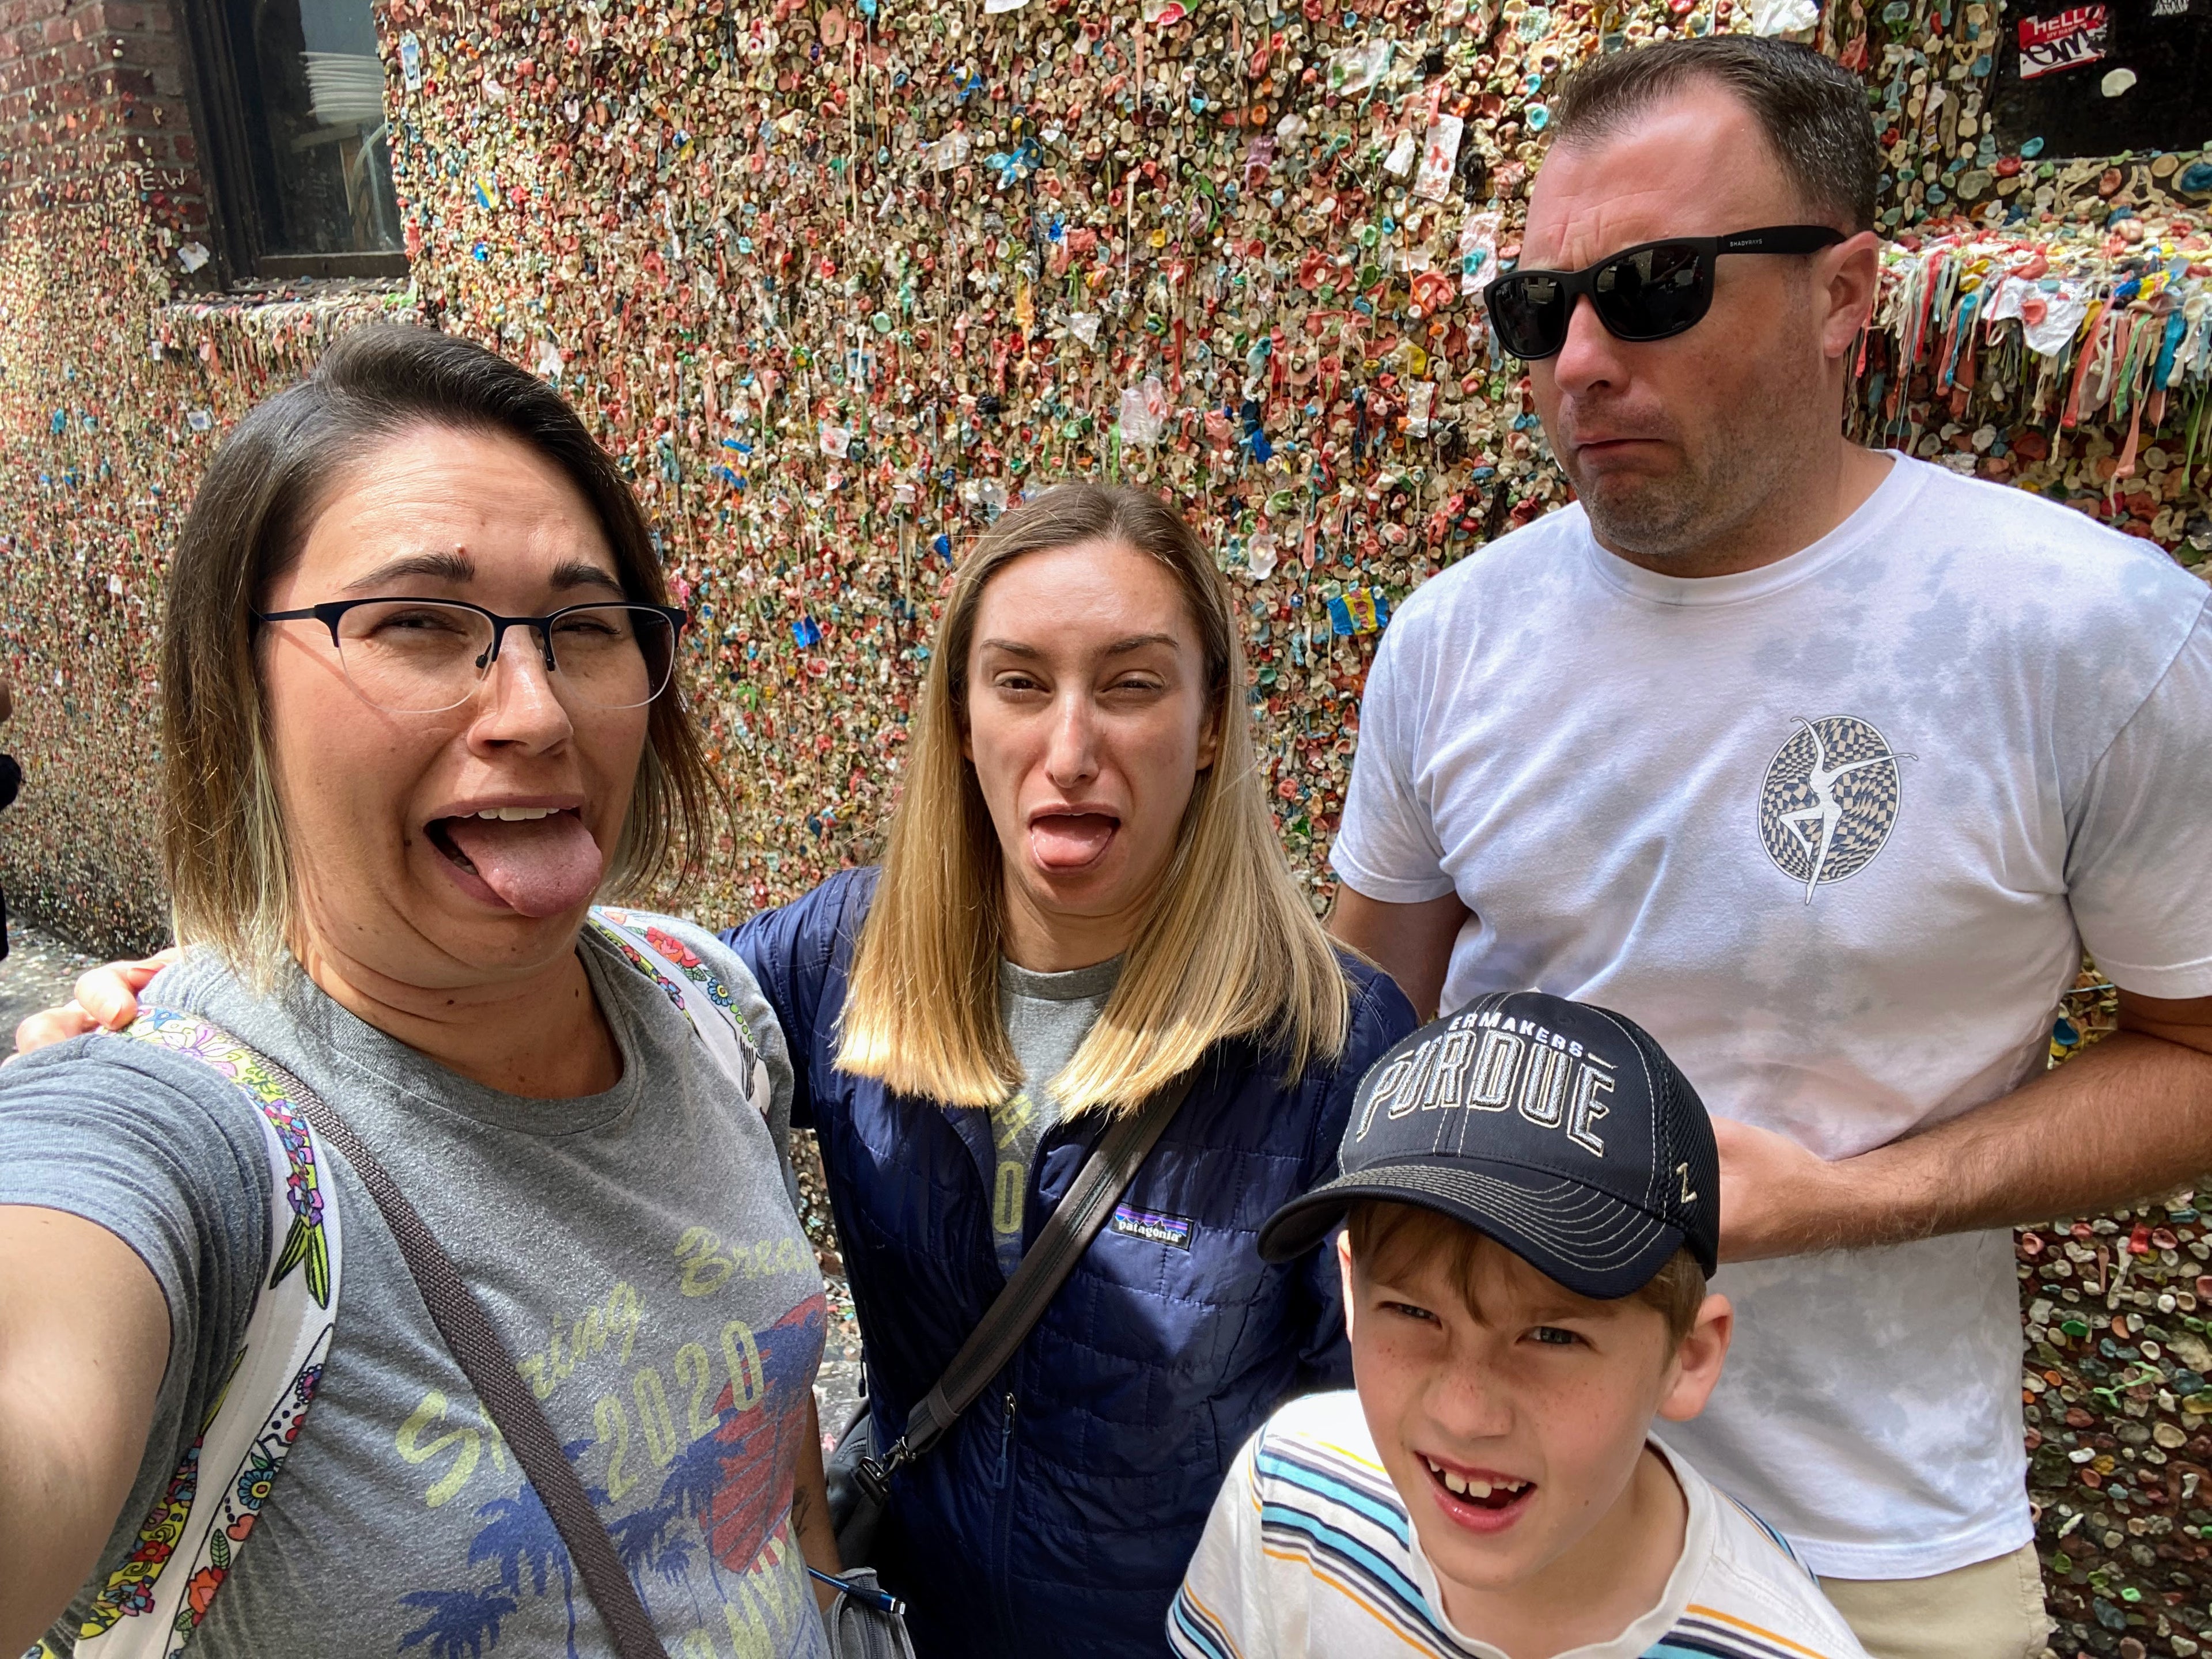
(1082, 899)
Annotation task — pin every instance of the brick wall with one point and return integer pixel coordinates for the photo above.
(94, 86)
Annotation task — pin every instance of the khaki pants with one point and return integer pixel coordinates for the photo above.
(1991, 1610)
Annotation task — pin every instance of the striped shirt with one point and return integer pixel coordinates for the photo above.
(1309, 1552)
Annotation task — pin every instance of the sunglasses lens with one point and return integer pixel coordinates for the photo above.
(1529, 313)
(1653, 292)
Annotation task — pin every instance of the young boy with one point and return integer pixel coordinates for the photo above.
(1533, 1195)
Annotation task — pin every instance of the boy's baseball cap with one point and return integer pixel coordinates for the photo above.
(1560, 1129)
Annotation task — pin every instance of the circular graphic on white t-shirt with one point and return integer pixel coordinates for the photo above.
(1829, 801)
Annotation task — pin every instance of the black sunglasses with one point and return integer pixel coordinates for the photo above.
(1643, 293)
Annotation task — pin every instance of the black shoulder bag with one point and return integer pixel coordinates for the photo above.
(859, 1479)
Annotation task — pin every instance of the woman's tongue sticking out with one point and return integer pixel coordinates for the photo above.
(1071, 841)
(1089, 719)
(538, 866)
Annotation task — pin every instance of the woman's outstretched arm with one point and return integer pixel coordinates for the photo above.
(84, 1339)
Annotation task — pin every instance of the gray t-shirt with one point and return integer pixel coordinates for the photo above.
(1047, 1016)
(637, 1250)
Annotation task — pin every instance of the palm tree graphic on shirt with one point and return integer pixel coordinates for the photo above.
(519, 1534)
(460, 1621)
(731, 1484)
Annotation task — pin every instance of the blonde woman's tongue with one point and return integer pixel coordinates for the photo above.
(1069, 840)
(540, 867)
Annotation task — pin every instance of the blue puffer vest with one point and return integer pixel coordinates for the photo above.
(1057, 1515)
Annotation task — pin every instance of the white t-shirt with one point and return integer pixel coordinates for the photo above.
(1309, 1552)
(1835, 831)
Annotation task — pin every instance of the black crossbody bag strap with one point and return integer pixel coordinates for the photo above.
(1044, 1267)
(488, 1366)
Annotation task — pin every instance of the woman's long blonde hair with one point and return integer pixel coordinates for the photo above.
(1228, 949)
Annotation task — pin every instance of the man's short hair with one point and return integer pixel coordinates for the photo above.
(1813, 111)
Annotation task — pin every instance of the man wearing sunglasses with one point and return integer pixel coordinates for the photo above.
(1822, 763)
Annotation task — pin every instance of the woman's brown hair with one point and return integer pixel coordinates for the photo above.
(223, 842)
(1229, 947)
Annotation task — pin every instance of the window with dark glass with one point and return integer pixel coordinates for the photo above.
(292, 94)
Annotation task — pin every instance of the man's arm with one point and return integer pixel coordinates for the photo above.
(1412, 943)
(2130, 1117)
(76, 1400)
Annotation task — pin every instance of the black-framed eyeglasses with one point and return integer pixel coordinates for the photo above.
(1647, 292)
(424, 656)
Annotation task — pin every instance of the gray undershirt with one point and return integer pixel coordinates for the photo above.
(1047, 1016)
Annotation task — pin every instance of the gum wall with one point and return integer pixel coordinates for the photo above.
(835, 280)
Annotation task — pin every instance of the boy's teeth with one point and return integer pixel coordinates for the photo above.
(1463, 1487)
(516, 814)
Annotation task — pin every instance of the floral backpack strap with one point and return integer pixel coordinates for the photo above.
(153, 1602)
(685, 979)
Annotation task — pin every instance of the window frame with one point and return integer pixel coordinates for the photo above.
(236, 210)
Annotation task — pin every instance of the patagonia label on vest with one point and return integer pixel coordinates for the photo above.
(1152, 1225)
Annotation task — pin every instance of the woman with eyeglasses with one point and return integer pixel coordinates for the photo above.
(419, 713)
(1082, 905)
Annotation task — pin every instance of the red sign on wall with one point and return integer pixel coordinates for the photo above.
(2073, 38)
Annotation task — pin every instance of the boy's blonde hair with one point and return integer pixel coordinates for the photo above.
(1388, 1239)
(1229, 947)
